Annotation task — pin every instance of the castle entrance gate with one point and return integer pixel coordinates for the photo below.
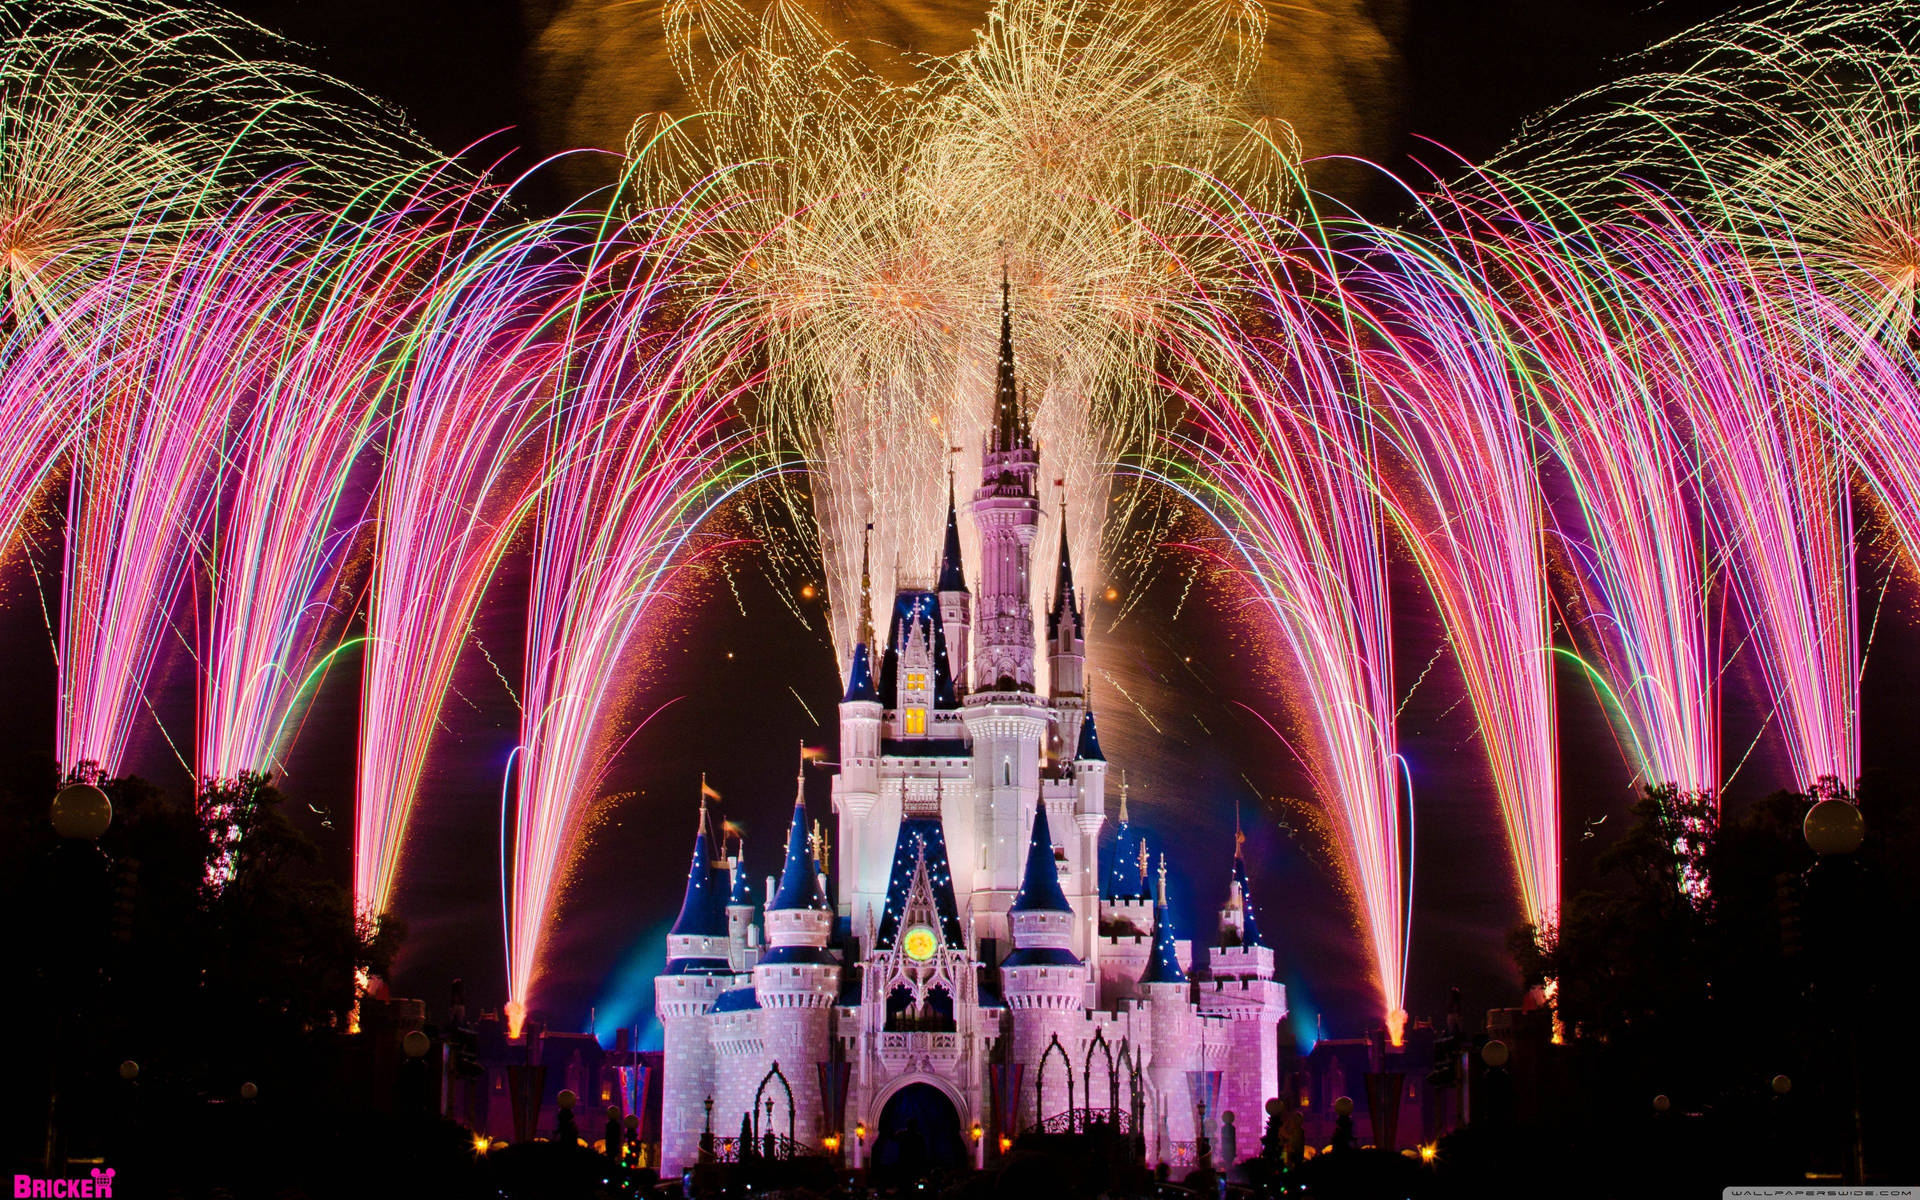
(919, 1134)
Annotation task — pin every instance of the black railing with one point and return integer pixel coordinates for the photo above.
(1086, 1120)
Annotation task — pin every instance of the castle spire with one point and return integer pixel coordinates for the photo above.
(701, 914)
(1163, 963)
(799, 886)
(866, 587)
(860, 683)
(1010, 422)
(1123, 797)
(1064, 602)
(1239, 889)
(953, 577)
(1040, 884)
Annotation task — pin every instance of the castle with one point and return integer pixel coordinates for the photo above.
(970, 972)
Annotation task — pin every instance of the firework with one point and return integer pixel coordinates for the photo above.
(636, 456)
(42, 404)
(1281, 457)
(124, 124)
(181, 358)
(284, 524)
(1460, 484)
(1757, 383)
(1792, 128)
(1639, 547)
(873, 225)
(459, 476)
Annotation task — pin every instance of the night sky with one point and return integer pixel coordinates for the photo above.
(735, 680)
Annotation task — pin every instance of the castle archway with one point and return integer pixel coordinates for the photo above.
(918, 1134)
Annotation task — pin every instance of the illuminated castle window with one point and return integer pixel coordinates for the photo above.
(916, 721)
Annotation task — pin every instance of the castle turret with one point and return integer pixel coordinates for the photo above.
(1241, 989)
(743, 935)
(856, 788)
(798, 979)
(1174, 1034)
(697, 973)
(1043, 982)
(956, 603)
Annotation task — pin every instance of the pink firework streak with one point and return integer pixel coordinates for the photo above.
(1460, 483)
(1640, 547)
(281, 538)
(1757, 382)
(1280, 456)
(182, 358)
(459, 477)
(638, 455)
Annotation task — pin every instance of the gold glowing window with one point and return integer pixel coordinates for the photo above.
(920, 943)
(916, 722)
(916, 681)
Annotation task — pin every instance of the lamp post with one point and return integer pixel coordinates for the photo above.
(1834, 830)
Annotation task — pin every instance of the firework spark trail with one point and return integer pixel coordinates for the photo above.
(1639, 547)
(1756, 381)
(183, 356)
(1281, 458)
(1459, 480)
(638, 453)
(458, 478)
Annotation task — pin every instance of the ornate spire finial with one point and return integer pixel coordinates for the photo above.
(1123, 796)
(1239, 838)
(1146, 861)
(1163, 879)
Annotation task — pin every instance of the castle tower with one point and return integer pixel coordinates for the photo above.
(1005, 721)
(856, 788)
(696, 973)
(1241, 989)
(1043, 981)
(956, 603)
(1173, 1037)
(797, 981)
(1007, 510)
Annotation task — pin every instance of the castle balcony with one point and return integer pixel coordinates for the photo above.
(901, 1051)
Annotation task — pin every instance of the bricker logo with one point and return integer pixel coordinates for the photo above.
(32, 1186)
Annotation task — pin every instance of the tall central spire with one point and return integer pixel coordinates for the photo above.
(1010, 421)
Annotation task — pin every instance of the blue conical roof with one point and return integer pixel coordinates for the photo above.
(742, 886)
(1163, 964)
(1040, 885)
(860, 678)
(701, 912)
(1250, 933)
(799, 884)
(1089, 747)
(1127, 880)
